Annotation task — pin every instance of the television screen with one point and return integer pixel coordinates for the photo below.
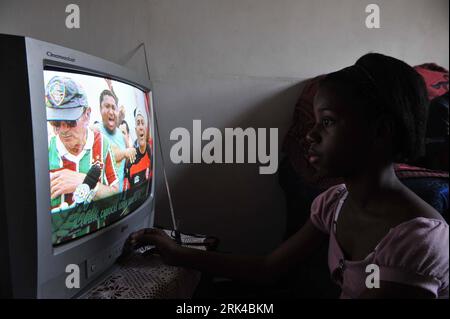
(100, 151)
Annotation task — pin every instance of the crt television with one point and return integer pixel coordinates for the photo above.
(76, 167)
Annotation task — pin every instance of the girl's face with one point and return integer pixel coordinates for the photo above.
(340, 139)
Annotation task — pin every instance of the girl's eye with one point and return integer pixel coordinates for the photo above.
(327, 122)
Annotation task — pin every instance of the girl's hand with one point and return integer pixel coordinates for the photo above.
(165, 246)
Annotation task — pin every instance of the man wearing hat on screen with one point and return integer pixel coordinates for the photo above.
(75, 148)
(139, 172)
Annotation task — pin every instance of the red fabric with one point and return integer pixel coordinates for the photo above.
(407, 171)
(142, 165)
(68, 198)
(96, 155)
(108, 166)
(436, 79)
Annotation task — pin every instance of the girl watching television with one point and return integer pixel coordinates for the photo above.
(367, 116)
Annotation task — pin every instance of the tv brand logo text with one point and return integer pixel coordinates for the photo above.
(62, 57)
(212, 151)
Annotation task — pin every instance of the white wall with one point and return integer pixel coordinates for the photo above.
(233, 63)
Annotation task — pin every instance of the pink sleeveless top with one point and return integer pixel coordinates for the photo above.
(414, 252)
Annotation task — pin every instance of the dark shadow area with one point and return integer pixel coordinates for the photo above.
(229, 190)
(211, 198)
